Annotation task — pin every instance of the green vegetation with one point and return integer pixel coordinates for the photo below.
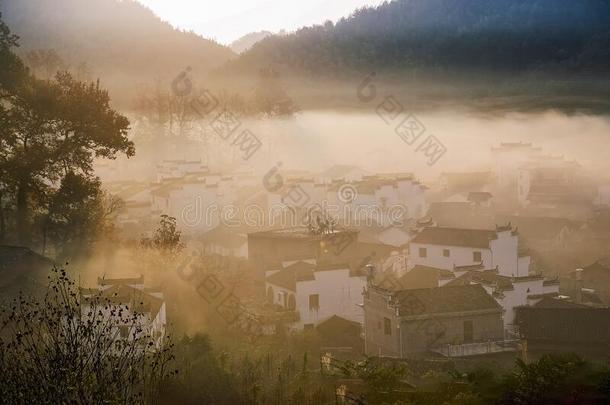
(449, 35)
(67, 348)
(50, 133)
(121, 42)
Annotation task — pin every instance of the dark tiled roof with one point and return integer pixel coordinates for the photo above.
(122, 294)
(478, 238)
(466, 298)
(600, 265)
(288, 277)
(468, 267)
(550, 302)
(417, 277)
(299, 232)
(581, 327)
(337, 326)
(537, 228)
(420, 277)
(479, 196)
(22, 269)
(120, 281)
(485, 277)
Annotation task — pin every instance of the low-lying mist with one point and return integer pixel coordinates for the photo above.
(315, 140)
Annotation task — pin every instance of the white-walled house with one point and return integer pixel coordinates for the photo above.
(195, 202)
(175, 169)
(316, 292)
(131, 293)
(603, 195)
(508, 157)
(379, 199)
(446, 248)
(509, 292)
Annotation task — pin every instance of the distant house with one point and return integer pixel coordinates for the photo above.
(508, 157)
(225, 241)
(341, 172)
(176, 169)
(461, 214)
(392, 236)
(480, 198)
(268, 248)
(553, 186)
(445, 248)
(509, 292)
(22, 269)
(148, 304)
(414, 278)
(340, 334)
(407, 322)
(592, 279)
(317, 292)
(596, 230)
(541, 233)
(603, 195)
(564, 327)
(454, 182)
(379, 199)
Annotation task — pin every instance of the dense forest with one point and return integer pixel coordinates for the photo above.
(500, 35)
(484, 53)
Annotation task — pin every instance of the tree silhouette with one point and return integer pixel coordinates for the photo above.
(68, 348)
(48, 130)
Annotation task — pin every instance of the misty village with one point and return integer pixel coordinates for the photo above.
(285, 202)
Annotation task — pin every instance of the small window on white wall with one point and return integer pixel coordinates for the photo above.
(423, 252)
(387, 326)
(476, 256)
(314, 302)
(446, 253)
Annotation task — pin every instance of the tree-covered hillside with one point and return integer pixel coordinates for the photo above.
(121, 42)
(501, 35)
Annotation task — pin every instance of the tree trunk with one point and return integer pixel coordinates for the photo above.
(2, 223)
(23, 231)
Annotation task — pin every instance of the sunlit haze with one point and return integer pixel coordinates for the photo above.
(226, 21)
(269, 202)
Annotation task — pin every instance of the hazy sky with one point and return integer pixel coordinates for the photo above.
(227, 20)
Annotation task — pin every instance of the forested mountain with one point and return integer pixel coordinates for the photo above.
(247, 41)
(122, 42)
(499, 35)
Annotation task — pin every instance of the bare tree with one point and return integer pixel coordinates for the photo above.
(68, 348)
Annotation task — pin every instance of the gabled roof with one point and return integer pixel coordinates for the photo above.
(22, 269)
(537, 228)
(226, 236)
(476, 238)
(120, 281)
(485, 277)
(337, 326)
(123, 294)
(444, 300)
(479, 196)
(298, 232)
(602, 265)
(420, 277)
(287, 278)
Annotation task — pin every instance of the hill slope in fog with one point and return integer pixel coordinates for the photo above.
(121, 41)
(499, 35)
